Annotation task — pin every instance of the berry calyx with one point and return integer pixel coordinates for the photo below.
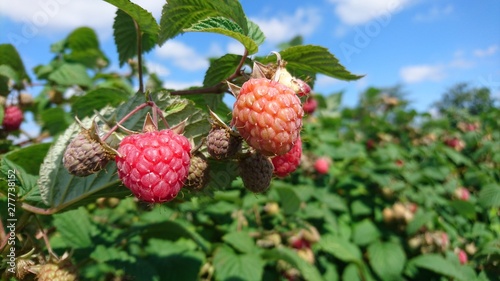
(268, 115)
(12, 119)
(256, 172)
(154, 165)
(287, 163)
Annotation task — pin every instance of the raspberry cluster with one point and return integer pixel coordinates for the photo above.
(263, 139)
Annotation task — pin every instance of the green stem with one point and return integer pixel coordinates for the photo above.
(139, 58)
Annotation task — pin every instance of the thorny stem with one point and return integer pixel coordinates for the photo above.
(216, 89)
(139, 107)
(139, 58)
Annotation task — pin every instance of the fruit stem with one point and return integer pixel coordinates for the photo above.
(134, 111)
(218, 88)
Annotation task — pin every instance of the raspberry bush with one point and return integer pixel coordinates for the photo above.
(131, 181)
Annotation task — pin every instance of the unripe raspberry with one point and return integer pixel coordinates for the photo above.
(221, 144)
(12, 119)
(25, 99)
(268, 115)
(63, 271)
(256, 171)
(287, 163)
(85, 156)
(154, 165)
(198, 172)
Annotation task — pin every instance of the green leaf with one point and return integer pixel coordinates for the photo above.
(464, 208)
(387, 259)
(437, 264)
(290, 201)
(308, 271)
(82, 39)
(55, 120)
(241, 241)
(315, 59)
(25, 183)
(178, 15)
(96, 100)
(144, 19)
(340, 248)
(75, 228)
(255, 33)
(231, 266)
(365, 232)
(169, 230)
(351, 273)
(35, 153)
(10, 57)
(418, 221)
(173, 260)
(489, 196)
(69, 74)
(106, 254)
(226, 27)
(220, 69)
(9, 73)
(125, 35)
(332, 201)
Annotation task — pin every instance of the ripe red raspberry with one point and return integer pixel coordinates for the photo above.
(268, 115)
(12, 119)
(462, 256)
(287, 163)
(154, 165)
(310, 105)
(322, 165)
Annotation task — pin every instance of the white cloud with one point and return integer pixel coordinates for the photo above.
(180, 85)
(157, 68)
(491, 50)
(354, 12)
(49, 16)
(434, 13)
(182, 55)
(283, 27)
(420, 73)
(324, 81)
(235, 48)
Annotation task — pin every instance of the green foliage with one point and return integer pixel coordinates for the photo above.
(180, 15)
(463, 97)
(392, 206)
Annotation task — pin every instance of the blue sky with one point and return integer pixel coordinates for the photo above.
(426, 46)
